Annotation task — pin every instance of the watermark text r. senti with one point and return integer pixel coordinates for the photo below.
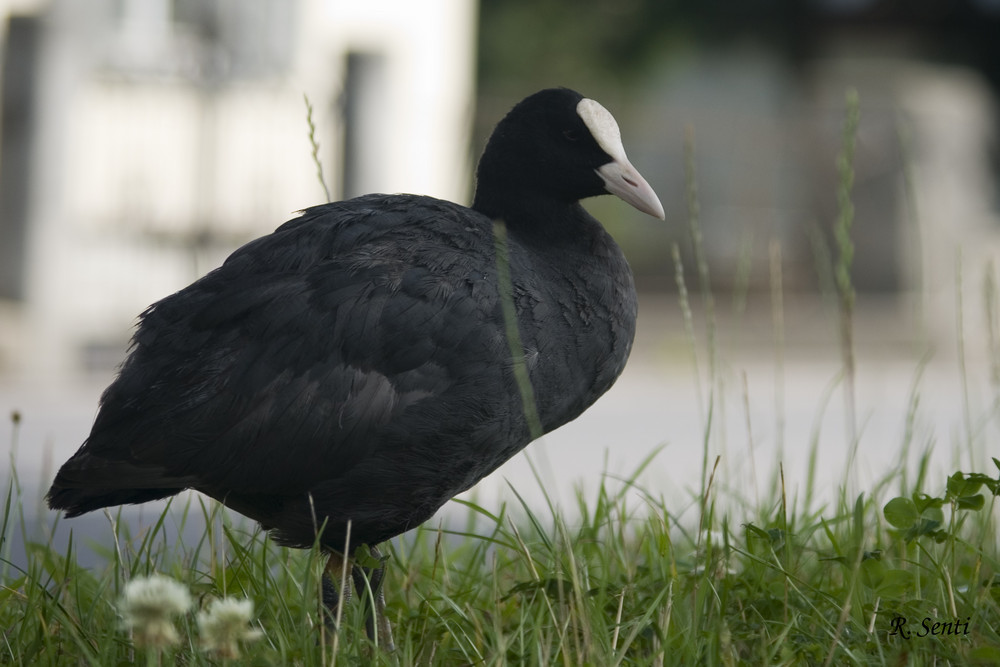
(928, 627)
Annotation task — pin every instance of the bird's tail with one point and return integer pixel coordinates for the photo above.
(80, 501)
(86, 483)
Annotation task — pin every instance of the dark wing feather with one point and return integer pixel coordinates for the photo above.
(287, 365)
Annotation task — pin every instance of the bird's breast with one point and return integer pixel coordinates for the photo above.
(577, 323)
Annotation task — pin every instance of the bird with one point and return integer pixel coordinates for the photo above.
(345, 376)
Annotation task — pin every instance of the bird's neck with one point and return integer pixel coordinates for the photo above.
(537, 218)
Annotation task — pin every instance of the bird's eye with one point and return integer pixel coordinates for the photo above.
(571, 135)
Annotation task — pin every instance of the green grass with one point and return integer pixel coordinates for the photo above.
(626, 581)
(730, 576)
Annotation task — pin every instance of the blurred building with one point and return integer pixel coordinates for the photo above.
(764, 104)
(141, 141)
(766, 144)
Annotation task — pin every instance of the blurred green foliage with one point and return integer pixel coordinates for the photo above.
(614, 42)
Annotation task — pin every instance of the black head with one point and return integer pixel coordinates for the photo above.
(557, 146)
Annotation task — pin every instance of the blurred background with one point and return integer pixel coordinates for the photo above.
(141, 141)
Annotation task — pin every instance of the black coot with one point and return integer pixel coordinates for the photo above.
(354, 365)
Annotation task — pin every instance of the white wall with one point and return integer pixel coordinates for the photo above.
(146, 177)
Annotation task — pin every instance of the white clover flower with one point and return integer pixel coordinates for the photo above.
(223, 624)
(147, 607)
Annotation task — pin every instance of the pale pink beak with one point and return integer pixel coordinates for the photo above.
(622, 180)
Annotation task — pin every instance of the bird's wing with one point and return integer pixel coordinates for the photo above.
(297, 357)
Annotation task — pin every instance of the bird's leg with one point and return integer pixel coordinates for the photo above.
(375, 577)
(377, 583)
(335, 588)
